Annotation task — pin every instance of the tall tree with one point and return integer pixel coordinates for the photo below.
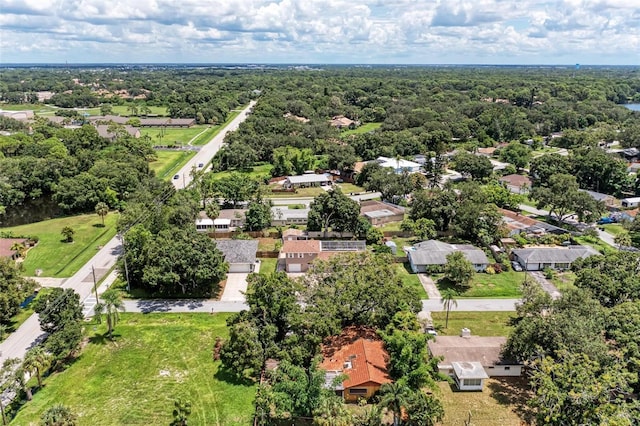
(563, 197)
(14, 289)
(517, 154)
(37, 361)
(448, 300)
(102, 209)
(458, 269)
(395, 397)
(333, 209)
(112, 302)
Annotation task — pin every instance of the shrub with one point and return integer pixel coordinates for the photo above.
(490, 270)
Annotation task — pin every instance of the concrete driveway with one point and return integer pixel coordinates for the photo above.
(235, 287)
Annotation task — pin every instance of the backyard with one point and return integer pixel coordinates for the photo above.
(135, 379)
(60, 259)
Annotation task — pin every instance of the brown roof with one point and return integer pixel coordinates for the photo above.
(7, 243)
(372, 206)
(363, 347)
(357, 167)
(292, 231)
(518, 218)
(301, 246)
(232, 214)
(516, 180)
(486, 350)
(486, 151)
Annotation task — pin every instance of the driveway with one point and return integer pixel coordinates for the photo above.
(429, 286)
(235, 287)
(545, 284)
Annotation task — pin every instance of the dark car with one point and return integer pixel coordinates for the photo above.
(176, 177)
(200, 165)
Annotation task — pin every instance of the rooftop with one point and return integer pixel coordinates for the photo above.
(469, 370)
(554, 254)
(238, 251)
(300, 246)
(7, 243)
(434, 252)
(309, 178)
(485, 350)
(516, 180)
(396, 163)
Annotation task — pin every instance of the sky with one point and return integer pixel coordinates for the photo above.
(599, 32)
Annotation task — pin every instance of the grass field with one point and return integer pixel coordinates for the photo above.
(563, 280)
(60, 259)
(124, 110)
(171, 136)
(614, 229)
(258, 172)
(349, 187)
(504, 285)
(596, 243)
(135, 379)
(503, 402)
(365, 128)
(480, 323)
(169, 162)
(268, 265)
(410, 279)
(299, 193)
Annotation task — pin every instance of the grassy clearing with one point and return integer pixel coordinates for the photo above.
(596, 243)
(480, 323)
(504, 285)
(268, 265)
(169, 162)
(26, 107)
(614, 229)
(393, 226)
(503, 402)
(171, 136)
(299, 193)
(260, 171)
(134, 380)
(409, 279)
(349, 187)
(267, 244)
(124, 110)
(563, 280)
(365, 128)
(60, 259)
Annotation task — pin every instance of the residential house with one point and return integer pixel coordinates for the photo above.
(518, 223)
(517, 184)
(633, 168)
(342, 122)
(7, 247)
(539, 258)
(398, 165)
(283, 216)
(359, 354)
(470, 360)
(307, 180)
(427, 254)
(294, 234)
(487, 152)
(239, 254)
(228, 220)
(608, 200)
(379, 213)
(167, 122)
(109, 118)
(299, 254)
(629, 203)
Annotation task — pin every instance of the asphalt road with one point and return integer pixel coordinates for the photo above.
(29, 333)
(207, 151)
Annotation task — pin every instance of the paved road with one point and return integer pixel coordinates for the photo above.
(607, 238)
(435, 305)
(29, 333)
(207, 151)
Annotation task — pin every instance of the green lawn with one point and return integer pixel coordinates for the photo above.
(614, 229)
(26, 107)
(134, 380)
(299, 193)
(365, 128)
(504, 285)
(268, 265)
(563, 280)
(349, 187)
(258, 172)
(123, 110)
(480, 323)
(60, 259)
(171, 136)
(169, 162)
(409, 279)
(596, 243)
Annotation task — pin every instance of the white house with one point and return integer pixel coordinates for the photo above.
(227, 220)
(472, 359)
(434, 253)
(628, 203)
(307, 180)
(539, 258)
(398, 165)
(283, 215)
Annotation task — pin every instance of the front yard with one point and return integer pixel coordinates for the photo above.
(135, 379)
(409, 279)
(505, 285)
(480, 323)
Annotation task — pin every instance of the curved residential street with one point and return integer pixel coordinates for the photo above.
(29, 333)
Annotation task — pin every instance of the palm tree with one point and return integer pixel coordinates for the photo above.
(393, 397)
(37, 360)
(331, 411)
(67, 232)
(98, 310)
(145, 110)
(133, 109)
(448, 299)
(58, 415)
(101, 210)
(623, 239)
(112, 301)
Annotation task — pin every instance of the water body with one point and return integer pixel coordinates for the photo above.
(30, 211)
(632, 107)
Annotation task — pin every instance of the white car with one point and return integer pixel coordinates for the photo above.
(516, 266)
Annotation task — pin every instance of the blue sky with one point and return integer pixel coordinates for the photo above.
(321, 31)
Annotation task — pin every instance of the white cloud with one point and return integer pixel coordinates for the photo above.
(490, 31)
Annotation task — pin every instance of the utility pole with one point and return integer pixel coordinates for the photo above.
(126, 270)
(95, 283)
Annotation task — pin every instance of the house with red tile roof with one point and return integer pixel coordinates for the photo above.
(7, 247)
(357, 353)
(299, 254)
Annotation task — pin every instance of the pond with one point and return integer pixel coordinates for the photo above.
(632, 107)
(30, 211)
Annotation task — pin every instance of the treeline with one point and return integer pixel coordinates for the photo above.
(76, 167)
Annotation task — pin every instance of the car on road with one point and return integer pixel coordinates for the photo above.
(200, 165)
(516, 266)
(176, 177)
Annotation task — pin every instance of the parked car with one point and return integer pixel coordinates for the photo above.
(606, 220)
(176, 177)
(516, 266)
(432, 331)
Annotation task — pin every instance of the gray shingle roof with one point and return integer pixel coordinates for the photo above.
(553, 254)
(434, 252)
(238, 251)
